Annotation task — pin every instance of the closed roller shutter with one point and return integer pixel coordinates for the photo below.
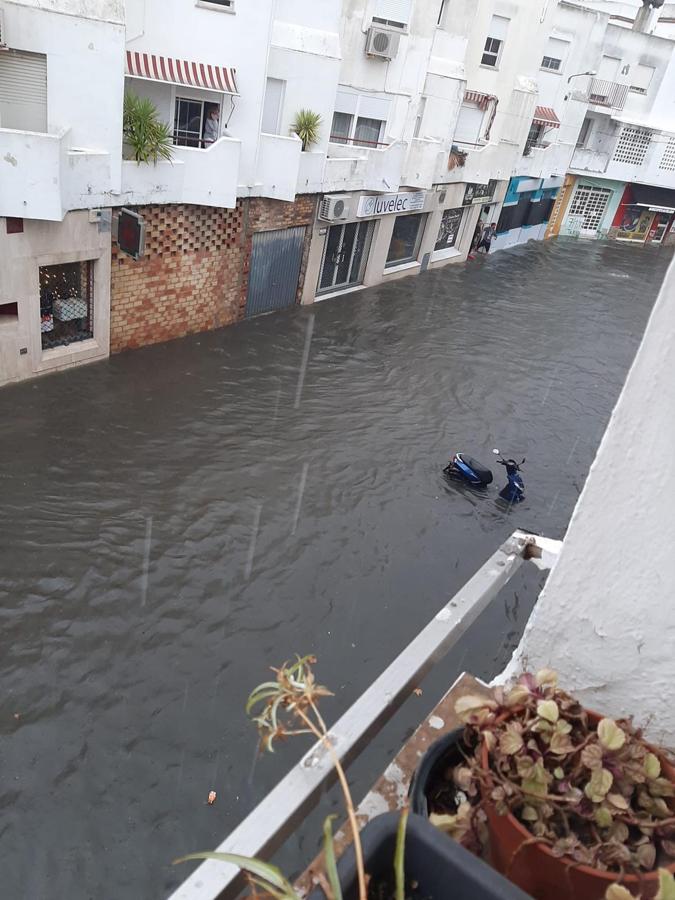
(23, 91)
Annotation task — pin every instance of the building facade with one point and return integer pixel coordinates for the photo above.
(438, 122)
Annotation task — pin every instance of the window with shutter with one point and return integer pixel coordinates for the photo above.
(395, 13)
(23, 91)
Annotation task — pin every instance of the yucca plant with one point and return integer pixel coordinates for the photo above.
(306, 126)
(146, 136)
(288, 706)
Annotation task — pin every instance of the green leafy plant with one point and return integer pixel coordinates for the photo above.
(591, 790)
(306, 126)
(146, 137)
(666, 889)
(286, 707)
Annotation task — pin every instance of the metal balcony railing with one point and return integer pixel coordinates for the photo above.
(607, 93)
(274, 819)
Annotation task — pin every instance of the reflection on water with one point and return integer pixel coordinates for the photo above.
(179, 518)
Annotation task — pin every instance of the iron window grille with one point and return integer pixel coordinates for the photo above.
(66, 303)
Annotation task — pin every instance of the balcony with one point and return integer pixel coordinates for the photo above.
(424, 158)
(477, 163)
(278, 166)
(352, 167)
(32, 169)
(310, 172)
(541, 160)
(608, 94)
(206, 177)
(585, 160)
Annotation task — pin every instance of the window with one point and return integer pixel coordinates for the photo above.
(548, 62)
(274, 96)
(555, 55)
(9, 312)
(13, 225)
(449, 230)
(394, 13)
(406, 239)
(632, 146)
(419, 116)
(585, 132)
(23, 90)
(196, 122)
(223, 4)
(341, 128)
(534, 137)
(641, 78)
(66, 303)
(366, 133)
(589, 204)
(469, 127)
(494, 42)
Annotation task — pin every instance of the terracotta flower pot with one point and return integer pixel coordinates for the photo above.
(534, 868)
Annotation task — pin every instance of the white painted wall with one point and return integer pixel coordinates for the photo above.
(84, 44)
(605, 619)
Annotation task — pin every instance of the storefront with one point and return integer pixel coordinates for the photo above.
(526, 210)
(591, 207)
(645, 215)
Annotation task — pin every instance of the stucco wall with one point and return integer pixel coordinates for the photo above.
(21, 255)
(606, 619)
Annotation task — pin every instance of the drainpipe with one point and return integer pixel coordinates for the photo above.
(648, 16)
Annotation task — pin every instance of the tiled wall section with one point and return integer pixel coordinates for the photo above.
(194, 275)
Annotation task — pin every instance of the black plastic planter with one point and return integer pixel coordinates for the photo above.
(436, 868)
(443, 753)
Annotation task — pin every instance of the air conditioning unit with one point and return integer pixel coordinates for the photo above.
(381, 42)
(334, 208)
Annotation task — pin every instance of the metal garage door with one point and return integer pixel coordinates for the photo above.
(275, 269)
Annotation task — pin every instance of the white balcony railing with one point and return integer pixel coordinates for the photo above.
(33, 165)
(358, 168)
(479, 165)
(586, 160)
(206, 177)
(607, 93)
(278, 166)
(422, 162)
(275, 817)
(544, 160)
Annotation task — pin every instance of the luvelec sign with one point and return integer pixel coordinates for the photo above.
(384, 204)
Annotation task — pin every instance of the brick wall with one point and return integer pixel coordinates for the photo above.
(194, 275)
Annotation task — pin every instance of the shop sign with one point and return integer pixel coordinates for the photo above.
(385, 204)
(635, 224)
(479, 193)
(449, 229)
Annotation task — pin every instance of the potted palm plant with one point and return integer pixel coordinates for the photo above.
(146, 138)
(306, 126)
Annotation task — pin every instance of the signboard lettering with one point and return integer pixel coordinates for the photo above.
(479, 193)
(385, 204)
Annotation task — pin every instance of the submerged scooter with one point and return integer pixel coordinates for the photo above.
(467, 469)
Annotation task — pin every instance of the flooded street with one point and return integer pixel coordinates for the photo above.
(179, 518)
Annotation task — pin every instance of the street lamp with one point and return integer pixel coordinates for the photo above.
(579, 74)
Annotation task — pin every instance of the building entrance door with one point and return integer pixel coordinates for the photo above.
(345, 254)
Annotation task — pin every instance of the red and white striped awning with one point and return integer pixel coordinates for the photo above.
(544, 115)
(481, 100)
(182, 72)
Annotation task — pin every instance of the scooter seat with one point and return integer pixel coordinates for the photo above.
(481, 471)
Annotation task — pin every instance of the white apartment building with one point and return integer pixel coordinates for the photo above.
(60, 146)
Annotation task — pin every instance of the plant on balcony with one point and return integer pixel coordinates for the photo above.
(147, 138)
(571, 801)
(306, 126)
